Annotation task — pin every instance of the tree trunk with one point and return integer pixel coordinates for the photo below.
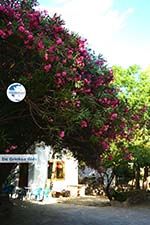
(5, 169)
(107, 188)
(5, 204)
(145, 185)
(108, 192)
(137, 177)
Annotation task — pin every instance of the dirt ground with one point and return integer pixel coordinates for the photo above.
(75, 212)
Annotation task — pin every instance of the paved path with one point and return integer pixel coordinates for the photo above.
(67, 214)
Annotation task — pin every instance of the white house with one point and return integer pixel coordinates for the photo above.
(57, 171)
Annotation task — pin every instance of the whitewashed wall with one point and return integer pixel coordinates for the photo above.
(38, 172)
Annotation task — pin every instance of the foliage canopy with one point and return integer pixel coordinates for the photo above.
(71, 100)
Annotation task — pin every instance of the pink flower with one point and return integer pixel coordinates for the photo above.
(88, 90)
(52, 59)
(40, 45)
(27, 32)
(74, 93)
(113, 116)
(56, 58)
(86, 81)
(26, 42)
(110, 157)
(99, 82)
(122, 125)
(74, 69)
(110, 71)
(2, 8)
(62, 134)
(126, 110)
(47, 67)
(46, 56)
(128, 156)
(34, 19)
(59, 41)
(58, 29)
(64, 73)
(30, 37)
(2, 34)
(51, 49)
(69, 56)
(7, 150)
(17, 16)
(58, 75)
(135, 117)
(21, 29)
(78, 103)
(70, 51)
(84, 124)
(105, 145)
(104, 128)
(59, 82)
(13, 147)
(64, 61)
(9, 32)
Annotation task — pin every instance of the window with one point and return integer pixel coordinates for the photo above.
(56, 170)
(60, 170)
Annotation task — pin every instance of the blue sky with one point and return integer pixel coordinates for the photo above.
(118, 29)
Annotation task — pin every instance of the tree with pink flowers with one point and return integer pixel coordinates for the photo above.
(71, 100)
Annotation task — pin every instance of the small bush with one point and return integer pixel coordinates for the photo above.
(136, 197)
(119, 196)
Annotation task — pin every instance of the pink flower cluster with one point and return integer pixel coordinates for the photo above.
(101, 131)
(105, 145)
(34, 19)
(60, 79)
(70, 68)
(99, 81)
(62, 134)
(84, 123)
(109, 102)
(128, 156)
(10, 149)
